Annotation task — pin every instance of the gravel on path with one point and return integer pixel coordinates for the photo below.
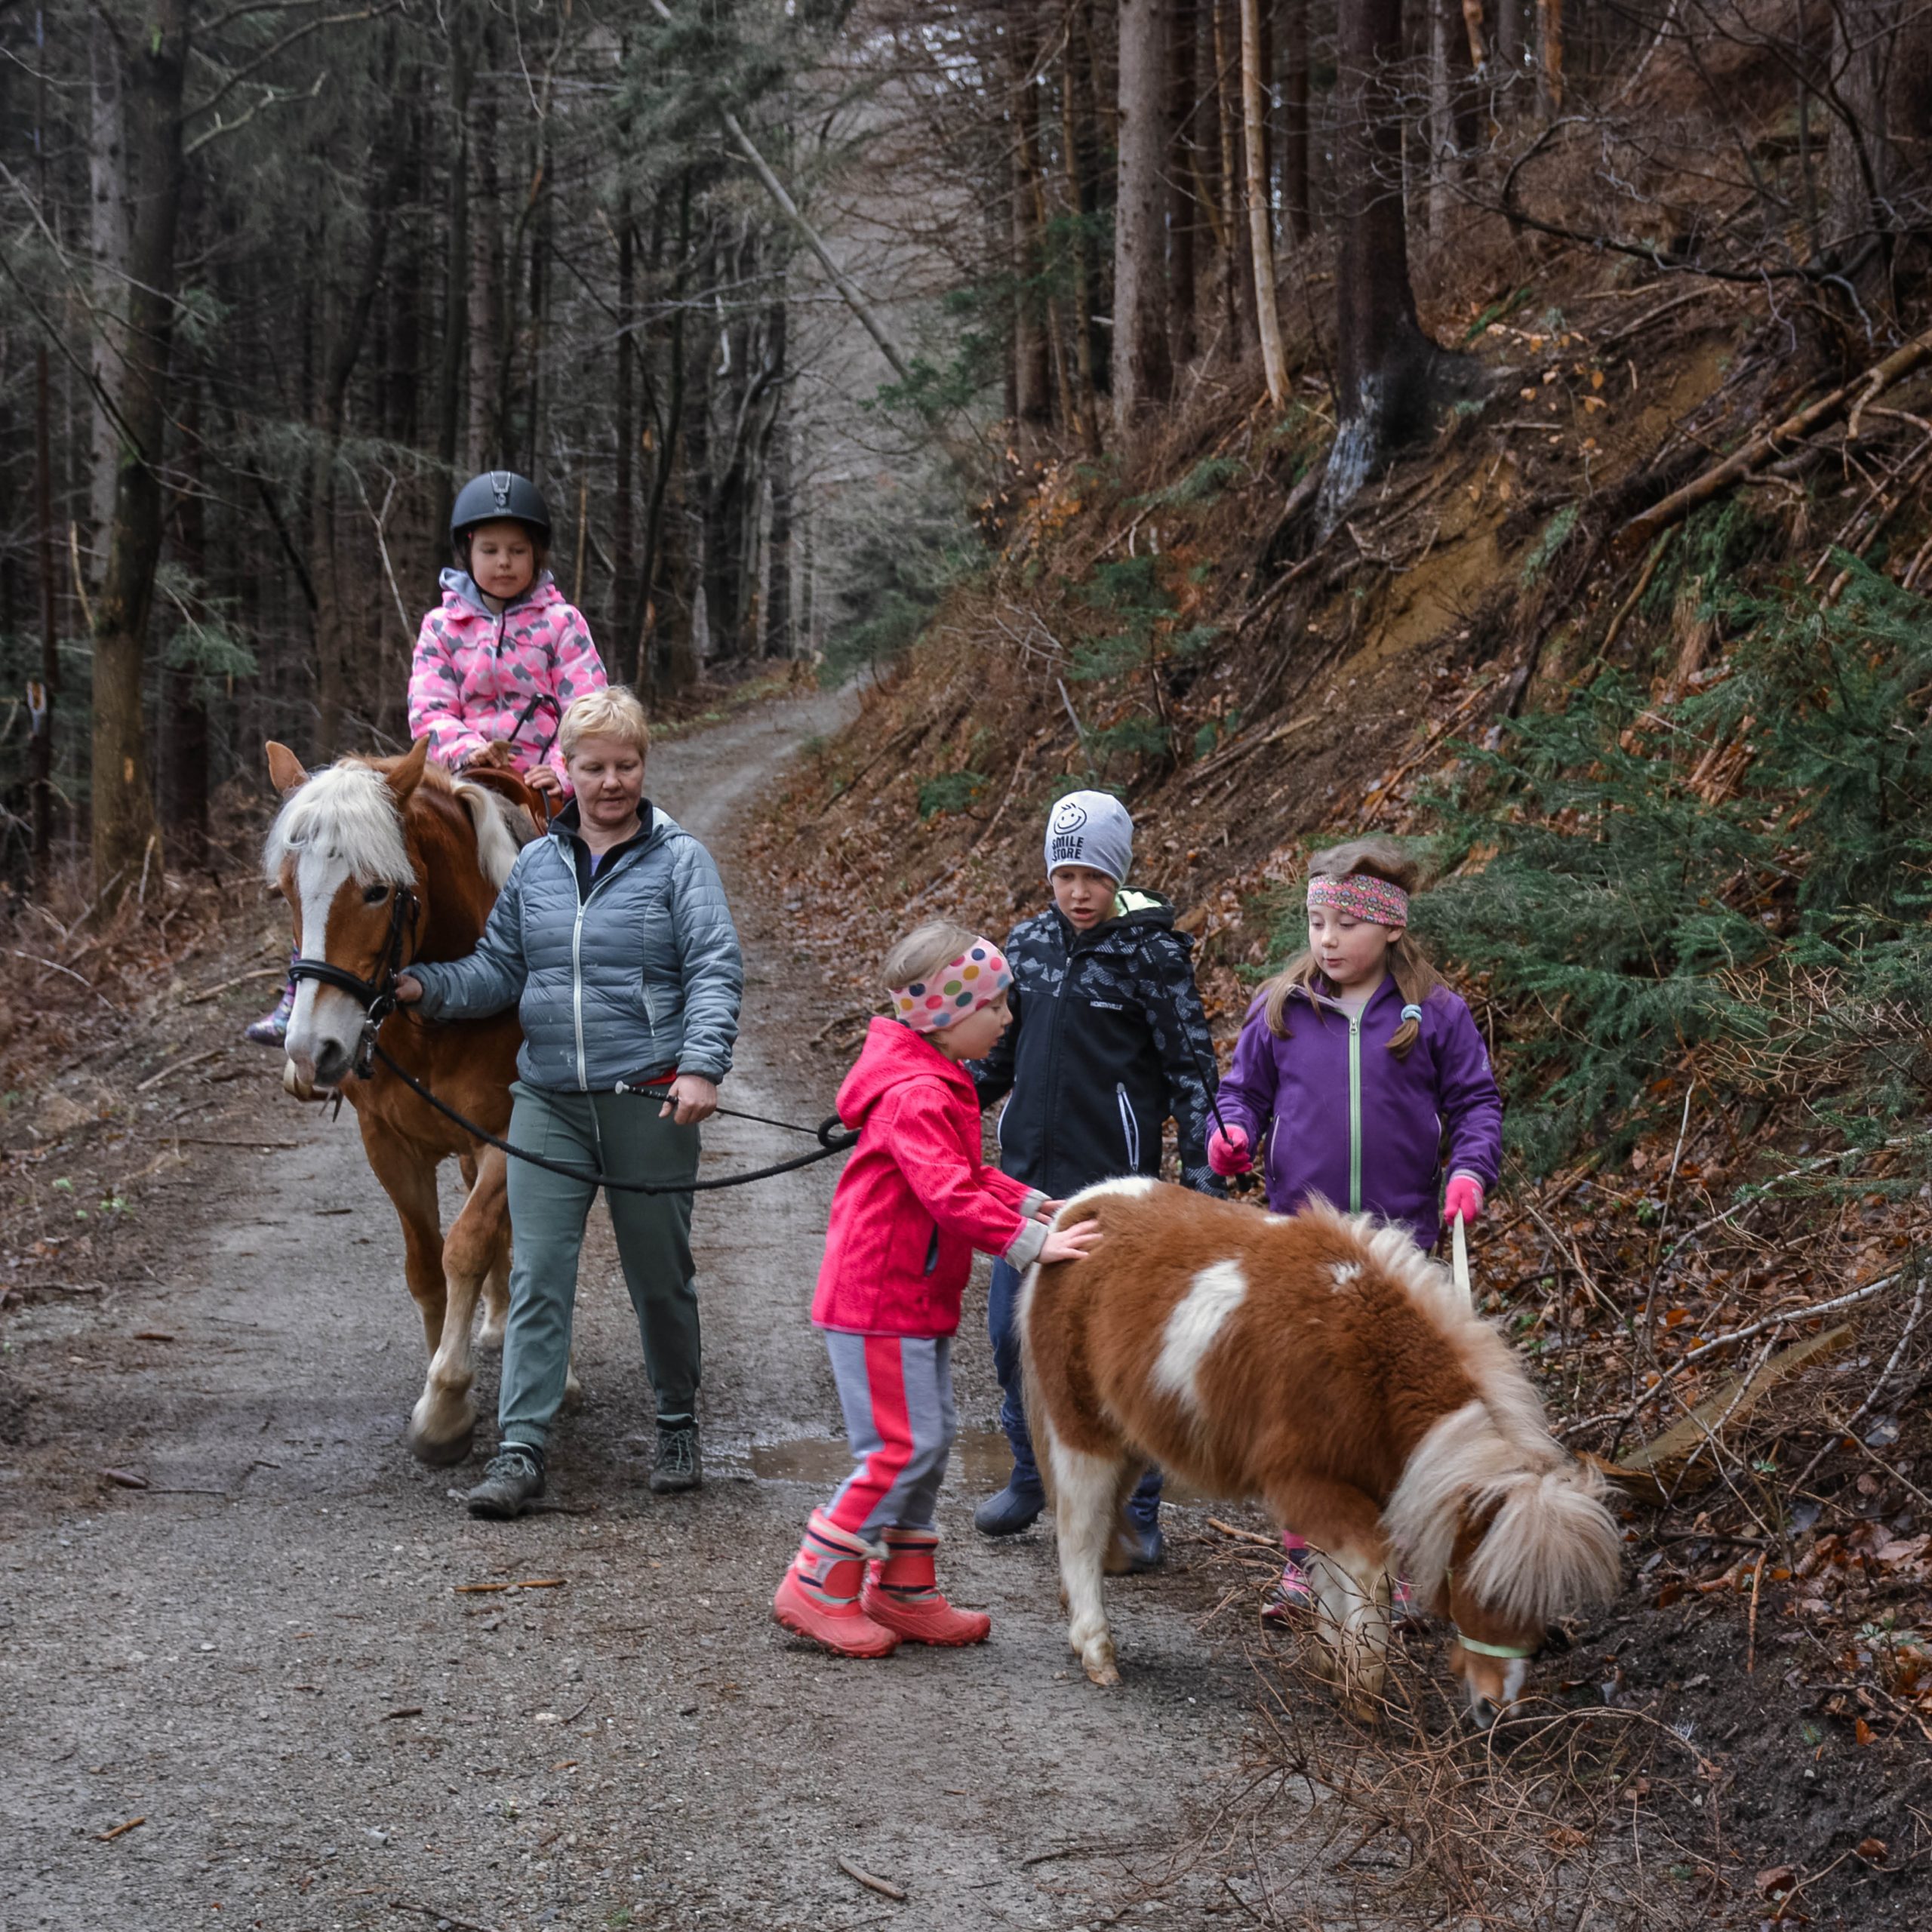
(334, 1700)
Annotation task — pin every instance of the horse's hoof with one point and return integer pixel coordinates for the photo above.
(572, 1394)
(1106, 1675)
(441, 1455)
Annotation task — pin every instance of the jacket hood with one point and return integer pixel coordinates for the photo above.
(892, 1055)
(461, 597)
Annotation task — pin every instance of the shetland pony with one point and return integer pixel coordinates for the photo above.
(1323, 1362)
(383, 862)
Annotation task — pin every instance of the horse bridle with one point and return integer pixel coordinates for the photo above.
(376, 997)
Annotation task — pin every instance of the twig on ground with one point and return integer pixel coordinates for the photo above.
(451, 1919)
(870, 1880)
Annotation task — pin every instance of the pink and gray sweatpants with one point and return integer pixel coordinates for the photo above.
(897, 1392)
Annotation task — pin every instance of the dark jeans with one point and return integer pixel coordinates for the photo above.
(1001, 1298)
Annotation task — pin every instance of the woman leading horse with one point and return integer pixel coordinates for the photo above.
(612, 937)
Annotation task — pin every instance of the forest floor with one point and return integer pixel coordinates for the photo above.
(274, 1656)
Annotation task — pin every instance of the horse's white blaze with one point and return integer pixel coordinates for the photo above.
(321, 1014)
(1194, 1325)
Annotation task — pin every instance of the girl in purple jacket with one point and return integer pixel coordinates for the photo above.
(1353, 1066)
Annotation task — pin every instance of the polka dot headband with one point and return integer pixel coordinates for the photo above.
(1361, 896)
(956, 991)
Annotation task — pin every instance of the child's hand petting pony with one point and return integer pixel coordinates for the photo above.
(1070, 1243)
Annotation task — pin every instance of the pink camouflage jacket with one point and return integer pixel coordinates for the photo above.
(480, 675)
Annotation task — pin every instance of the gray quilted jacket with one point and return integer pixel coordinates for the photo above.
(640, 973)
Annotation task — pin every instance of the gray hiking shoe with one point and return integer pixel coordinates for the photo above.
(678, 1466)
(511, 1483)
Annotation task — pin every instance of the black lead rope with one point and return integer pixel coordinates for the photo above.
(833, 1138)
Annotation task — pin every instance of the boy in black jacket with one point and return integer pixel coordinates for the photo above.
(1108, 1040)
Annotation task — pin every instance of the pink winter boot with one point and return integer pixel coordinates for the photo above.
(901, 1593)
(820, 1596)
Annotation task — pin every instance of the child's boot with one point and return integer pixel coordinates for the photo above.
(820, 1596)
(902, 1594)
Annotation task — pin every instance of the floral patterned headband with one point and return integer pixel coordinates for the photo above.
(1362, 896)
(956, 991)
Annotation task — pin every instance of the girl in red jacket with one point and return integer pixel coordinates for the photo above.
(914, 1202)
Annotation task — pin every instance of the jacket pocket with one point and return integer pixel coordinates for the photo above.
(1129, 1128)
(932, 1251)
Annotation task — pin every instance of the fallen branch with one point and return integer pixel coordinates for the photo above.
(108, 1838)
(177, 1066)
(240, 980)
(1760, 448)
(442, 1917)
(871, 1881)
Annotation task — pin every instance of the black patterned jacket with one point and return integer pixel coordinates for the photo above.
(1108, 1040)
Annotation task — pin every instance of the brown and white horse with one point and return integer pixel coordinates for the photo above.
(1321, 1362)
(384, 861)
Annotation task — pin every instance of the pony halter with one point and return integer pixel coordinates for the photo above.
(1493, 1649)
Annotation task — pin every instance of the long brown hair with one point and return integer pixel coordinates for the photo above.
(1415, 978)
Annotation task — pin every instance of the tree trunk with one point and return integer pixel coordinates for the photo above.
(623, 522)
(1033, 384)
(1183, 211)
(486, 282)
(456, 279)
(184, 735)
(109, 181)
(1549, 58)
(1081, 196)
(667, 430)
(779, 640)
(1140, 370)
(1268, 319)
(42, 692)
(1445, 27)
(1879, 165)
(1384, 361)
(127, 840)
(1296, 199)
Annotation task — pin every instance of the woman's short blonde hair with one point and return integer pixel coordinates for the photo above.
(614, 712)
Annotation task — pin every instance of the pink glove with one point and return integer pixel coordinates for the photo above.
(1462, 1200)
(1227, 1151)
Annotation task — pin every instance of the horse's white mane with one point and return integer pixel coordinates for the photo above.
(349, 812)
(1550, 1546)
(502, 830)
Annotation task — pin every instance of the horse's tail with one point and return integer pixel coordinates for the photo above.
(1549, 1544)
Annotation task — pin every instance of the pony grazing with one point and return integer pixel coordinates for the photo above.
(383, 862)
(1323, 1362)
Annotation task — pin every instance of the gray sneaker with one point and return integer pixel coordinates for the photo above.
(511, 1483)
(678, 1466)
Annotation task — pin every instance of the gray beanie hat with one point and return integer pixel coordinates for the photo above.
(1090, 828)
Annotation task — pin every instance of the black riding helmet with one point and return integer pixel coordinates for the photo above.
(498, 494)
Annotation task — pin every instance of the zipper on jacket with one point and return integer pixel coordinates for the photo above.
(583, 899)
(1129, 1127)
(1354, 1113)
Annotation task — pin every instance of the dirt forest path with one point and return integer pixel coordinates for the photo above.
(271, 1658)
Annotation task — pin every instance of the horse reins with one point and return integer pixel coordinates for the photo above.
(377, 999)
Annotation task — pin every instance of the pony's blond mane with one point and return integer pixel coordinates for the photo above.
(1550, 1546)
(350, 811)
